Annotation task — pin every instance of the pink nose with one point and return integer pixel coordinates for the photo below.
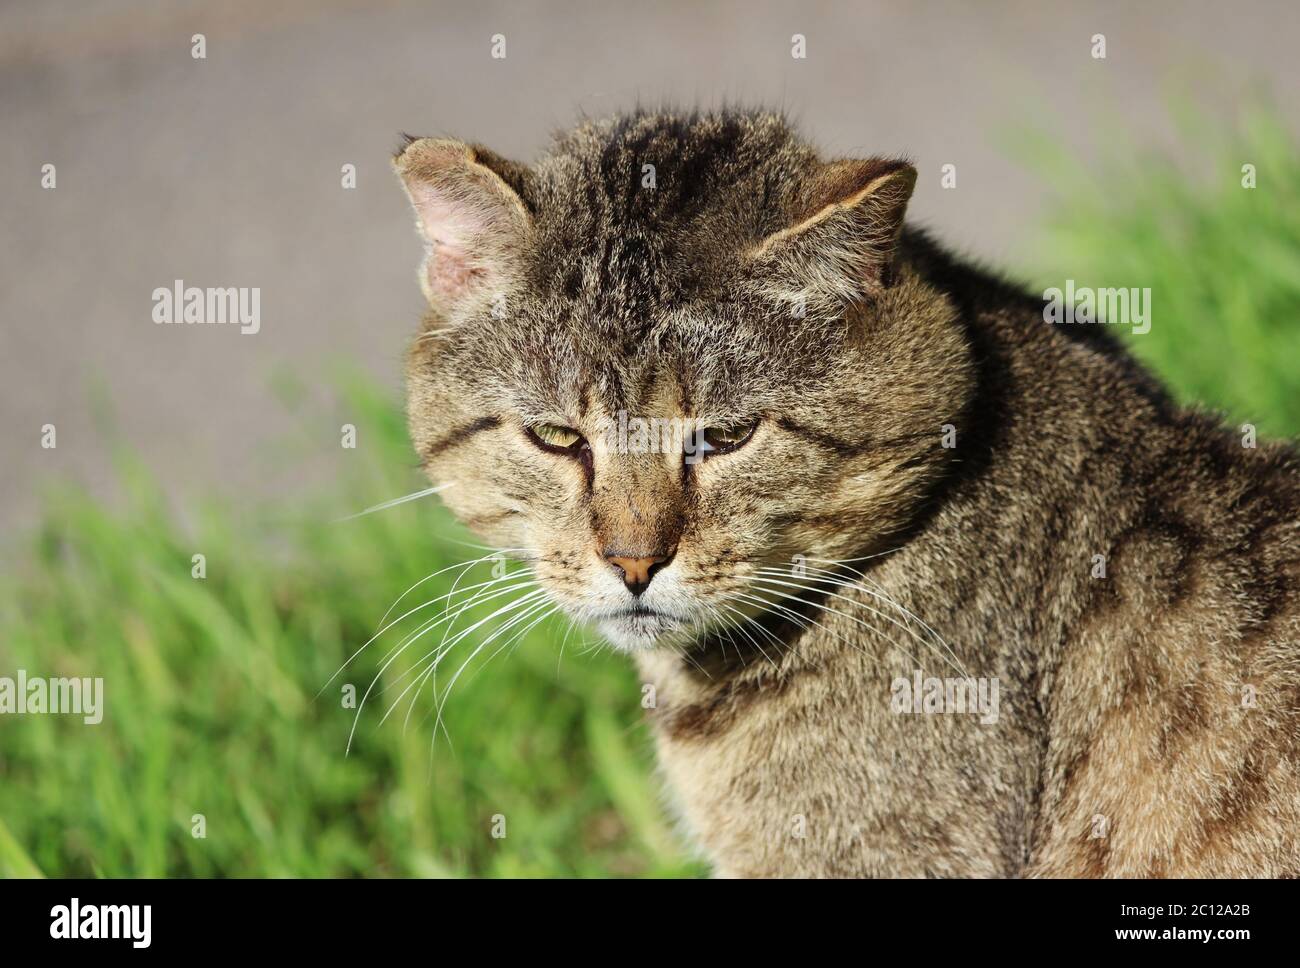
(637, 570)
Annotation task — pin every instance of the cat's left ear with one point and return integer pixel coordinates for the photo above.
(472, 217)
(843, 229)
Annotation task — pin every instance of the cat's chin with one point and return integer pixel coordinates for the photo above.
(638, 632)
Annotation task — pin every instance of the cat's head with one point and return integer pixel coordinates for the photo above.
(673, 352)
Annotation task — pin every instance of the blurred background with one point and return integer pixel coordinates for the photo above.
(176, 441)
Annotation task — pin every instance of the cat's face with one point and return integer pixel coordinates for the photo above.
(658, 399)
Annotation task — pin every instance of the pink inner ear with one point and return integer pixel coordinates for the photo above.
(452, 228)
(449, 270)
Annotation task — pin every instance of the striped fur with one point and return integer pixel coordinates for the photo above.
(1150, 719)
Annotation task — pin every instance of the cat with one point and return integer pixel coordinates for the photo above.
(900, 484)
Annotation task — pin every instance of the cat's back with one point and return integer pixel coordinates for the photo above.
(1174, 725)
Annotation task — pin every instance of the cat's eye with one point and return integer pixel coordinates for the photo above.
(722, 440)
(555, 437)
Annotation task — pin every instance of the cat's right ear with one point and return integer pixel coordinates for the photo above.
(842, 229)
(469, 211)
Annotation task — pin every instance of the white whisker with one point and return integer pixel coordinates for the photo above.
(397, 500)
(747, 619)
(484, 596)
(423, 676)
(463, 565)
(954, 662)
(393, 657)
(842, 614)
(882, 595)
(395, 621)
(479, 648)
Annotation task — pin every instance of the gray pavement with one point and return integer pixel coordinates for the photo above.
(226, 171)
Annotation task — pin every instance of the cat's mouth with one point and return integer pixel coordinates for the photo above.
(638, 626)
(638, 611)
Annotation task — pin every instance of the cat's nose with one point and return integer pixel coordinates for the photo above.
(637, 570)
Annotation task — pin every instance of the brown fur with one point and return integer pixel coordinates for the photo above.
(1123, 707)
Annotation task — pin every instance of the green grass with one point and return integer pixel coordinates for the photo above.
(211, 684)
(211, 708)
(1222, 261)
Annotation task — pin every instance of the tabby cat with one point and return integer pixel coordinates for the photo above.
(923, 585)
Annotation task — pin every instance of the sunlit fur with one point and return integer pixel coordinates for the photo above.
(933, 470)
